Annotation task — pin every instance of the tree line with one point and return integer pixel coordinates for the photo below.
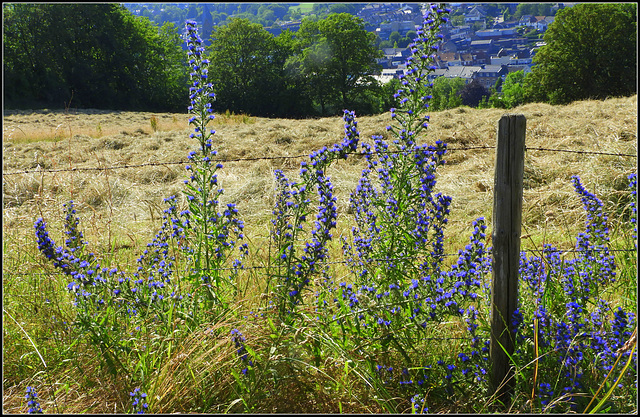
(101, 56)
(96, 55)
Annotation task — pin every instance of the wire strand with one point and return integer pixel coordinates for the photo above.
(267, 158)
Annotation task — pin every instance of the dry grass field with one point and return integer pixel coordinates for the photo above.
(122, 206)
(119, 166)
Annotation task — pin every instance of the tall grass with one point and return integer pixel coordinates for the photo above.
(380, 320)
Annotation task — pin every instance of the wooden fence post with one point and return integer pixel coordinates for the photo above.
(507, 216)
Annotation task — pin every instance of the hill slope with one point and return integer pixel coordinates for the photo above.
(119, 202)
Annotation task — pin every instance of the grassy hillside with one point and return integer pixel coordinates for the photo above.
(119, 201)
(121, 209)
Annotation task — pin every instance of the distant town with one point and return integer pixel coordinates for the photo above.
(482, 41)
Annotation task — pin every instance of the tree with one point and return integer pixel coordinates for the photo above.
(473, 93)
(279, 10)
(533, 9)
(339, 56)
(342, 8)
(295, 100)
(590, 52)
(395, 37)
(192, 12)
(295, 14)
(266, 18)
(246, 67)
(513, 90)
(446, 93)
(457, 20)
(99, 54)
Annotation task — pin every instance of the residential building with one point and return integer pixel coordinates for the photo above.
(476, 14)
(450, 59)
(464, 72)
(495, 33)
(484, 45)
(488, 75)
(388, 75)
(511, 56)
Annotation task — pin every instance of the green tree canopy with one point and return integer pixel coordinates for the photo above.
(244, 67)
(446, 93)
(339, 57)
(395, 37)
(590, 52)
(534, 9)
(99, 54)
(513, 90)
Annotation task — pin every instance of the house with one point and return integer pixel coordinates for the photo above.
(476, 14)
(388, 75)
(527, 20)
(395, 56)
(543, 22)
(509, 42)
(449, 59)
(293, 26)
(525, 68)
(401, 27)
(396, 53)
(481, 57)
(445, 59)
(448, 46)
(485, 45)
(488, 75)
(464, 72)
(463, 45)
(495, 33)
(373, 10)
(511, 56)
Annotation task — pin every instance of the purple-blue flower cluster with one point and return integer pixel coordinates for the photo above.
(565, 303)
(293, 265)
(210, 230)
(32, 401)
(200, 238)
(238, 341)
(88, 276)
(633, 205)
(397, 251)
(201, 91)
(138, 401)
(413, 94)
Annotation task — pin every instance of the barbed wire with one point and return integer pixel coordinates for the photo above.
(581, 152)
(284, 157)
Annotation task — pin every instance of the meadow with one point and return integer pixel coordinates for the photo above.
(348, 336)
(130, 199)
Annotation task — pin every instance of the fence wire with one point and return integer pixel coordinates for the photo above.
(285, 157)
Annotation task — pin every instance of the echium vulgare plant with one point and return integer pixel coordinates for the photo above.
(565, 310)
(212, 231)
(298, 254)
(187, 272)
(400, 291)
